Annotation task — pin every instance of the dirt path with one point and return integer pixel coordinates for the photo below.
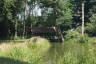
(5, 45)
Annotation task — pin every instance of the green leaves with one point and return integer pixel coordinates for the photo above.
(61, 12)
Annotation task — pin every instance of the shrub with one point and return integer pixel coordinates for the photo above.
(83, 39)
(37, 42)
(72, 34)
(91, 27)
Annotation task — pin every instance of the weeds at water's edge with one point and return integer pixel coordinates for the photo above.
(72, 51)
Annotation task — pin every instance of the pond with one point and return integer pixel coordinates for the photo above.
(54, 54)
(69, 53)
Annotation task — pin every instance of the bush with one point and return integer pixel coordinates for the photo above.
(83, 39)
(91, 27)
(72, 34)
(35, 42)
(76, 37)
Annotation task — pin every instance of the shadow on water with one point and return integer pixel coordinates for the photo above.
(4, 60)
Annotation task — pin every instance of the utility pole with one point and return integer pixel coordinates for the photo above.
(83, 4)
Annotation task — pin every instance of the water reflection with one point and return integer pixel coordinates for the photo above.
(54, 54)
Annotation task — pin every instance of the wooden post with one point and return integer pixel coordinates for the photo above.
(60, 34)
(83, 18)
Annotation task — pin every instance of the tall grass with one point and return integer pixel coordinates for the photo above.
(73, 51)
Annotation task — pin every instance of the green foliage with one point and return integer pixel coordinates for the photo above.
(29, 52)
(83, 39)
(91, 27)
(72, 34)
(57, 12)
(63, 13)
(37, 42)
(75, 35)
(7, 11)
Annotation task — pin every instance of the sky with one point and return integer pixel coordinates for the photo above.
(37, 11)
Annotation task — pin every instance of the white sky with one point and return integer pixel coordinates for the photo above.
(37, 11)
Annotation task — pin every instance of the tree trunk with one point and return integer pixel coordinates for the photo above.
(24, 28)
(82, 18)
(16, 28)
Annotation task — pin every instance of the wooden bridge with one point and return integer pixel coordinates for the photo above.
(51, 33)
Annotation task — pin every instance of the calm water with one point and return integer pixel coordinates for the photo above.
(64, 53)
(54, 54)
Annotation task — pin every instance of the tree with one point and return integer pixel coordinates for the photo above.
(90, 28)
(57, 12)
(83, 18)
(7, 16)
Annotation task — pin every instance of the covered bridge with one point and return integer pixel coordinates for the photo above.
(51, 33)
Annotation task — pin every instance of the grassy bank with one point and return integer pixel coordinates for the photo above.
(73, 51)
(18, 39)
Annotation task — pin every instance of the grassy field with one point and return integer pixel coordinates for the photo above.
(73, 51)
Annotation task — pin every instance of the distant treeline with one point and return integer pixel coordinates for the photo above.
(18, 16)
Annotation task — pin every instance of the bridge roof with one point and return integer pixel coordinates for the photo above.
(43, 30)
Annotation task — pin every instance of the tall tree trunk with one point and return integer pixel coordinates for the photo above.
(24, 25)
(83, 18)
(24, 28)
(16, 28)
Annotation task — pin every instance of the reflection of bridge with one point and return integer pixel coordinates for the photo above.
(51, 33)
